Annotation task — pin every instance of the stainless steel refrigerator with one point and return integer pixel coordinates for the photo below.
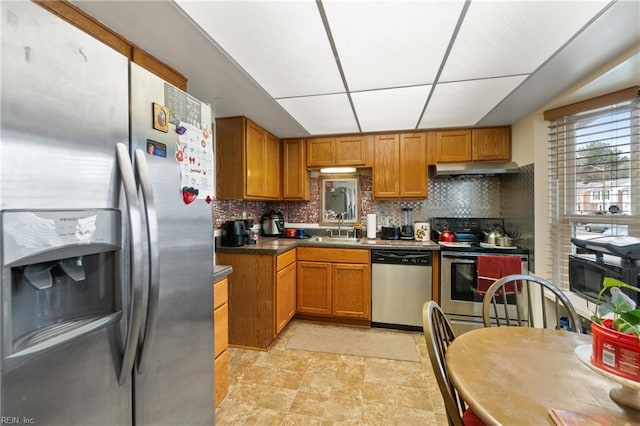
(106, 252)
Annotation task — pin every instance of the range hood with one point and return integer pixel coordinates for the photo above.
(477, 168)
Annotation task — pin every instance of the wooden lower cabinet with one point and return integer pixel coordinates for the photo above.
(285, 291)
(221, 338)
(334, 282)
(261, 291)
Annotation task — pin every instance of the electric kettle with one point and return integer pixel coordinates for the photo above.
(272, 224)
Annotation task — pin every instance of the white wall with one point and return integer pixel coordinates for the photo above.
(529, 143)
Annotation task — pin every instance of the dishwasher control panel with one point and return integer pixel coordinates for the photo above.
(405, 257)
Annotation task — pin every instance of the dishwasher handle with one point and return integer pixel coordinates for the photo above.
(402, 257)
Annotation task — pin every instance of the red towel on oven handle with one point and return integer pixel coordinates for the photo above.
(512, 265)
(491, 268)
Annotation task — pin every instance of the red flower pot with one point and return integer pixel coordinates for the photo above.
(615, 352)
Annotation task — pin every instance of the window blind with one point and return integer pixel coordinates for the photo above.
(594, 177)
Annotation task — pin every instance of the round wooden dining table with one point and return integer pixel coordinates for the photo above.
(513, 375)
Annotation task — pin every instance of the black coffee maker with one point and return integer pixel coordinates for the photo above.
(233, 233)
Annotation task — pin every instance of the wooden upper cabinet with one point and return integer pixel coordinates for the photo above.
(491, 144)
(272, 169)
(386, 166)
(453, 146)
(486, 144)
(413, 165)
(337, 151)
(321, 152)
(295, 177)
(350, 151)
(247, 161)
(400, 166)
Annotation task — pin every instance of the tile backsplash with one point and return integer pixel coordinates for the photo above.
(471, 196)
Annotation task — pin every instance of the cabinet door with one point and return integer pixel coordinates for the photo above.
(453, 146)
(255, 158)
(350, 151)
(271, 166)
(285, 296)
(295, 178)
(221, 365)
(413, 165)
(321, 152)
(351, 291)
(314, 288)
(386, 166)
(221, 329)
(491, 144)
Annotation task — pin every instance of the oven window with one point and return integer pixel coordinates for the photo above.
(464, 280)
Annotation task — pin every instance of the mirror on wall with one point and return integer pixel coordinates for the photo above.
(339, 197)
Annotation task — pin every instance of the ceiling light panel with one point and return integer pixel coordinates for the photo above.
(322, 115)
(282, 45)
(465, 103)
(385, 44)
(390, 109)
(500, 38)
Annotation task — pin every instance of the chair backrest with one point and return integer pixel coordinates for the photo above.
(439, 335)
(509, 301)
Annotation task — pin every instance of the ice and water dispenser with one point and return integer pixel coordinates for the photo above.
(61, 278)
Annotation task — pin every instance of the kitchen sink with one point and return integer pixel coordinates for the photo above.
(336, 239)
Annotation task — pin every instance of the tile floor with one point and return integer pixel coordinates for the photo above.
(292, 387)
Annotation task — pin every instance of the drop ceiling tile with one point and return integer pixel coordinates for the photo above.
(385, 44)
(465, 103)
(283, 45)
(390, 109)
(500, 38)
(323, 114)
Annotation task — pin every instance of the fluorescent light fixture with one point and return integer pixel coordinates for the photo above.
(390, 109)
(508, 38)
(335, 170)
(464, 103)
(322, 115)
(391, 43)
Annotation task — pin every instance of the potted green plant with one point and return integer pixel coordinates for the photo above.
(616, 331)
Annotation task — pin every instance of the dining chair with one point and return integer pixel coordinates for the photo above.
(438, 335)
(509, 302)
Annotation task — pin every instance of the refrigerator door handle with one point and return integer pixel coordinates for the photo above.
(135, 278)
(148, 339)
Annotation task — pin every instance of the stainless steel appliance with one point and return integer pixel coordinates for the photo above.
(106, 273)
(459, 296)
(401, 282)
(272, 224)
(610, 256)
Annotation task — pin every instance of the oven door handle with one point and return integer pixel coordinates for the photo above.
(460, 259)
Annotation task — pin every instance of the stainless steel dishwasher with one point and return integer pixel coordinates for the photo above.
(400, 284)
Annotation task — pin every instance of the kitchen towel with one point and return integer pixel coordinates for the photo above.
(371, 226)
(491, 268)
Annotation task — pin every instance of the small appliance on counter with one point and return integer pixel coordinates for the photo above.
(406, 231)
(233, 233)
(272, 224)
(390, 233)
(250, 235)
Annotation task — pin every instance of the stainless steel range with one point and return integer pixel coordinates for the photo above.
(459, 296)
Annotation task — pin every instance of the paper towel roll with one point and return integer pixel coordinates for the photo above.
(371, 226)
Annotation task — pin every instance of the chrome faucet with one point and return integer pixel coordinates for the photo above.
(340, 223)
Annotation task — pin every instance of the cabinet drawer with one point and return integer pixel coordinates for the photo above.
(222, 377)
(221, 329)
(285, 259)
(220, 292)
(320, 254)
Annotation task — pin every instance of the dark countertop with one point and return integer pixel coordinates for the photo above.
(221, 271)
(274, 245)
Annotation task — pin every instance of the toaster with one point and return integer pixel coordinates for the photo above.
(390, 233)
